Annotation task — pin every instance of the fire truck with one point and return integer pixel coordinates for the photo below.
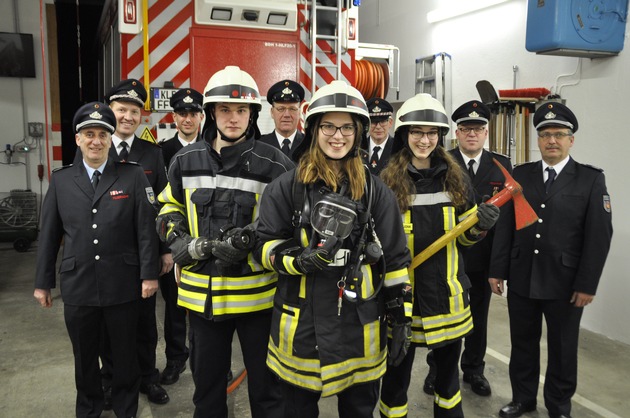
(170, 44)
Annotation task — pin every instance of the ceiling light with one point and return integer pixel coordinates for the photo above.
(463, 8)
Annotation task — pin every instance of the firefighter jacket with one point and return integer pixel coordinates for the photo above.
(441, 311)
(314, 344)
(206, 192)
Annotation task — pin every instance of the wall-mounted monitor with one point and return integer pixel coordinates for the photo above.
(17, 57)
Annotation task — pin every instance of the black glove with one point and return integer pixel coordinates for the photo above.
(227, 254)
(296, 261)
(400, 342)
(487, 213)
(200, 248)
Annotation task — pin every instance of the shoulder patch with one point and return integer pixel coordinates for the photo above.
(61, 168)
(601, 170)
(607, 205)
(150, 194)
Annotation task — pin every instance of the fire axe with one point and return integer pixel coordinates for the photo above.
(523, 213)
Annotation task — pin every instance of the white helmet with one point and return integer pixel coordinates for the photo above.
(232, 85)
(422, 109)
(338, 96)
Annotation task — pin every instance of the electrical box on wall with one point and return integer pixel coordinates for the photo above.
(576, 28)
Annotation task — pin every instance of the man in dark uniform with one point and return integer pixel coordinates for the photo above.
(379, 143)
(285, 97)
(188, 116)
(126, 99)
(553, 266)
(109, 259)
(472, 119)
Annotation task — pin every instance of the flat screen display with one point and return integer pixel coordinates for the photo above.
(17, 58)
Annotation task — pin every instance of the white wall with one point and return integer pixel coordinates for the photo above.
(485, 45)
(14, 114)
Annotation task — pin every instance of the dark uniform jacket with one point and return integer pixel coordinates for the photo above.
(170, 148)
(488, 181)
(311, 345)
(272, 139)
(384, 155)
(109, 238)
(566, 249)
(149, 156)
(206, 192)
(441, 311)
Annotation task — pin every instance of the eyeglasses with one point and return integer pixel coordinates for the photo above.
(382, 123)
(556, 135)
(282, 109)
(330, 130)
(477, 130)
(418, 134)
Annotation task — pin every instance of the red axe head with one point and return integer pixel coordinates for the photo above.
(523, 212)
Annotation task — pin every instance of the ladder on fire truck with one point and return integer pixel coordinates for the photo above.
(315, 8)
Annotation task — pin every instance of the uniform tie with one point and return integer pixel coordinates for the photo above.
(374, 159)
(286, 146)
(124, 154)
(95, 177)
(471, 170)
(551, 177)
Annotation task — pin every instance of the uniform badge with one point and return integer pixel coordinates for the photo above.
(96, 115)
(132, 93)
(187, 99)
(550, 115)
(376, 109)
(150, 195)
(287, 90)
(473, 114)
(607, 206)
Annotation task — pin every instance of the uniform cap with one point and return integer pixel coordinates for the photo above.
(555, 114)
(471, 112)
(285, 91)
(94, 114)
(130, 90)
(187, 99)
(379, 109)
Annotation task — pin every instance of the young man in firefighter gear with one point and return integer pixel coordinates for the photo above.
(285, 98)
(434, 194)
(553, 267)
(102, 210)
(126, 99)
(379, 143)
(213, 193)
(321, 227)
(472, 119)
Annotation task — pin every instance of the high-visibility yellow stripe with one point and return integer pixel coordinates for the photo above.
(223, 182)
(392, 411)
(448, 403)
(288, 325)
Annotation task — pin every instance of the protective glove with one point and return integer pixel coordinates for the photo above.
(201, 248)
(309, 260)
(488, 215)
(399, 322)
(227, 254)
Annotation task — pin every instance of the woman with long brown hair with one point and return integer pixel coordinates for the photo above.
(327, 229)
(433, 195)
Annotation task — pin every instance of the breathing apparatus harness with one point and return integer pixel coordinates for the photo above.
(367, 250)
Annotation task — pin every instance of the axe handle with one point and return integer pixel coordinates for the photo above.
(441, 242)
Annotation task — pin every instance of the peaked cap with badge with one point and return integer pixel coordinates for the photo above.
(94, 114)
(131, 91)
(285, 91)
(555, 114)
(379, 109)
(473, 111)
(187, 99)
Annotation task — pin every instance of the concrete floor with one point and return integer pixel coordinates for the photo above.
(37, 375)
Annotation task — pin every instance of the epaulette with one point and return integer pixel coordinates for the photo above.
(601, 170)
(126, 162)
(61, 168)
(500, 155)
(525, 163)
